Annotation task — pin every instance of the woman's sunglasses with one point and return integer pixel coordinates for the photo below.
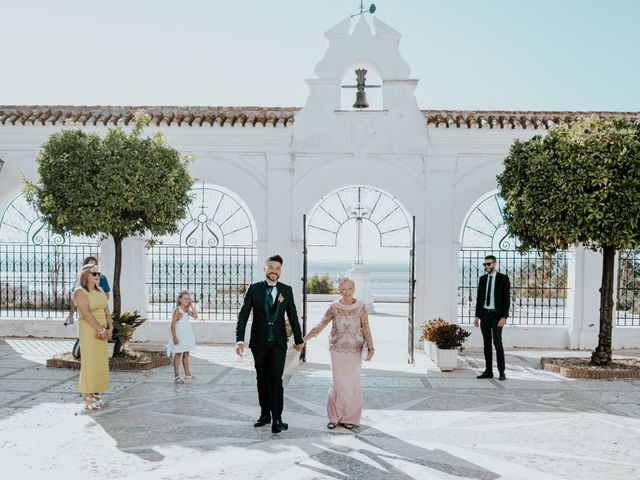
(95, 274)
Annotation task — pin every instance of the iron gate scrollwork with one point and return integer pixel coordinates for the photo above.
(628, 291)
(38, 268)
(212, 257)
(539, 283)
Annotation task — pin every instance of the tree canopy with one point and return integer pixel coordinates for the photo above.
(578, 186)
(122, 185)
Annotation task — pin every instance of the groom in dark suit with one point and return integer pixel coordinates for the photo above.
(269, 300)
(492, 311)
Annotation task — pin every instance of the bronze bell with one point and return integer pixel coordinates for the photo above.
(361, 100)
(361, 95)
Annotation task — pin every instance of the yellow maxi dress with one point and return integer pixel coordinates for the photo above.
(94, 354)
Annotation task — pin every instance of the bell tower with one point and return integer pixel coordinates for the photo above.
(362, 99)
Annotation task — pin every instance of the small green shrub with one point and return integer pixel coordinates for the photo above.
(322, 285)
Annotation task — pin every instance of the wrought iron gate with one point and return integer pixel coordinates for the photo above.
(212, 257)
(361, 203)
(303, 354)
(412, 293)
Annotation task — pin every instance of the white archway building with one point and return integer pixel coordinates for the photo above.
(278, 163)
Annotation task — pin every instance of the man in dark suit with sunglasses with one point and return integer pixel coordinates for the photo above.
(492, 311)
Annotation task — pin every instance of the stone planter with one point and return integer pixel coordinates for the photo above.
(150, 360)
(447, 360)
(430, 349)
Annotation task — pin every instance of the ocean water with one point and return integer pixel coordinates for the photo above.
(387, 278)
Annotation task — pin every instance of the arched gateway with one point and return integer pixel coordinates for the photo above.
(356, 205)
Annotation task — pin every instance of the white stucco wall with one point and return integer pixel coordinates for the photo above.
(280, 173)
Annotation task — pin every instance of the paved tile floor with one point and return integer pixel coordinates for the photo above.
(418, 422)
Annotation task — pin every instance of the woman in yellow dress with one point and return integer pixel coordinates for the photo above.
(96, 327)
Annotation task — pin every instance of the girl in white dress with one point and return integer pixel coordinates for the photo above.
(182, 340)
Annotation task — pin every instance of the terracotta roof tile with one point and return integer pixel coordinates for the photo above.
(244, 117)
(513, 119)
(160, 116)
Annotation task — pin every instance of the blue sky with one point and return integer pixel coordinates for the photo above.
(468, 54)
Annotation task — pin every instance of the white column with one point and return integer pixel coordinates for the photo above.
(454, 265)
(575, 321)
(133, 275)
(107, 263)
(279, 214)
(440, 283)
(420, 314)
(586, 309)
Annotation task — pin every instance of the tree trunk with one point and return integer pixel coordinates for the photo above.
(117, 240)
(602, 353)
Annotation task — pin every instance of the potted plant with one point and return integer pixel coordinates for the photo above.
(448, 339)
(123, 328)
(426, 334)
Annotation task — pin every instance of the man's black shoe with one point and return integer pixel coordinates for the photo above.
(262, 421)
(485, 375)
(277, 426)
(502, 377)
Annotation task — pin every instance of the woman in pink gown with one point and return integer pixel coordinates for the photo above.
(350, 333)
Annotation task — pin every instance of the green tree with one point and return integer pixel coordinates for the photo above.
(578, 186)
(122, 185)
(321, 285)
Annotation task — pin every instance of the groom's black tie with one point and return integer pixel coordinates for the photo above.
(488, 302)
(268, 303)
(268, 300)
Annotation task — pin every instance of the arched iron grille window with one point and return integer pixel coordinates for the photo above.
(366, 203)
(212, 256)
(538, 281)
(38, 268)
(628, 292)
(358, 204)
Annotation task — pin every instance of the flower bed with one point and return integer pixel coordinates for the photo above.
(575, 367)
(132, 360)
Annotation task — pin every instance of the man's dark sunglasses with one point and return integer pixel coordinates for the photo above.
(487, 264)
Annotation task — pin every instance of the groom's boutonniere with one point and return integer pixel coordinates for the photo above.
(280, 298)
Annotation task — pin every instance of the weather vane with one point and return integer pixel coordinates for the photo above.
(372, 9)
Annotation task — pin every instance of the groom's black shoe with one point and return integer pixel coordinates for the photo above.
(277, 426)
(502, 376)
(262, 420)
(485, 375)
